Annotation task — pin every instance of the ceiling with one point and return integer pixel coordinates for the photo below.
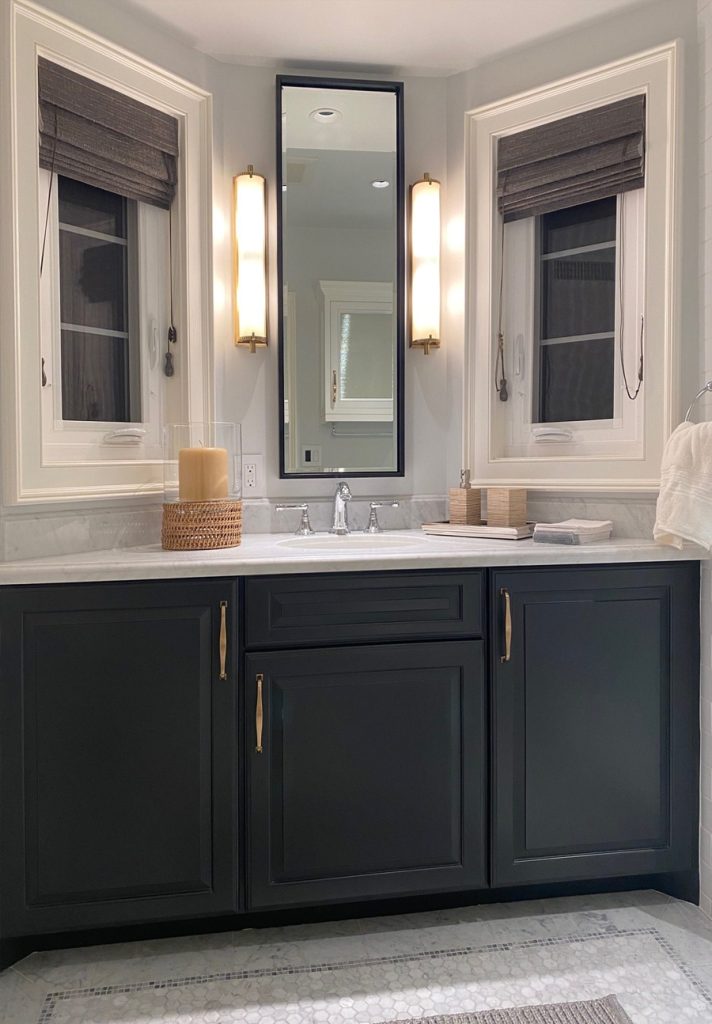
(419, 37)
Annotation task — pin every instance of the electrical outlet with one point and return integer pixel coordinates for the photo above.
(253, 475)
(311, 455)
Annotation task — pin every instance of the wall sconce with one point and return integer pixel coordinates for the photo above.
(425, 264)
(249, 244)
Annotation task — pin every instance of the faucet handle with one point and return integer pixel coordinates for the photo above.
(305, 528)
(373, 525)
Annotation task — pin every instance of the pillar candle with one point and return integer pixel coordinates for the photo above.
(202, 474)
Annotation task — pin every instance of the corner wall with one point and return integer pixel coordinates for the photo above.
(246, 384)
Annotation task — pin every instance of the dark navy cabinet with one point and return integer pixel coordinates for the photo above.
(594, 722)
(119, 756)
(183, 749)
(367, 776)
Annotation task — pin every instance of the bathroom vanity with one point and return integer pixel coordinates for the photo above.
(273, 728)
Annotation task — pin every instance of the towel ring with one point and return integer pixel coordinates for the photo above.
(695, 400)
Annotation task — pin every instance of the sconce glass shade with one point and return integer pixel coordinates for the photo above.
(249, 259)
(425, 264)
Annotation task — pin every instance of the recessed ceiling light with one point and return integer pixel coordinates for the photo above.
(325, 115)
(380, 183)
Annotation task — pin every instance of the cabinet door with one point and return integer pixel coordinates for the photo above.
(595, 723)
(371, 775)
(118, 754)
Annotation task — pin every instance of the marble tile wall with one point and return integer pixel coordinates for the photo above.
(67, 533)
(28, 535)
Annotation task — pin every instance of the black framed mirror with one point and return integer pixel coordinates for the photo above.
(341, 276)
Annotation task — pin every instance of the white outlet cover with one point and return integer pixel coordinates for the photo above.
(314, 450)
(257, 490)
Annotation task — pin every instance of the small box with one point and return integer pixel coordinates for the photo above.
(465, 506)
(506, 506)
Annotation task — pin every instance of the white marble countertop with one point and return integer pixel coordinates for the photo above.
(261, 554)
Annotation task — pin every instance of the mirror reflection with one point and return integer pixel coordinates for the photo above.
(340, 286)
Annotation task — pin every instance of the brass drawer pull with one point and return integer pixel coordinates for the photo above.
(223, 639)
(259, 717)
(507, 625)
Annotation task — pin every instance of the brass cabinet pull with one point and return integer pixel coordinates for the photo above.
(259, 715)
(333, 387)
(223, 639)
(507, 625)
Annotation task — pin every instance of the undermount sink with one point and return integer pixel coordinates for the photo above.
(353, 542)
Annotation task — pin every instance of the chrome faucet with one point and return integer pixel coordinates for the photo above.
(340, 524)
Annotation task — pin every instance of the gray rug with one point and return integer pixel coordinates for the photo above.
(597, 1011)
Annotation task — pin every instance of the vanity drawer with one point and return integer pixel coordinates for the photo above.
(289, 611)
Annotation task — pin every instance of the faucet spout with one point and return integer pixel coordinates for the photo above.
(340, 524)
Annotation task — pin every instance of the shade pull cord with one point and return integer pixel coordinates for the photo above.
(632, 395)
(500, 376)
(49, 195)
(168, 365)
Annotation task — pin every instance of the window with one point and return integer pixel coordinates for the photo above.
(575, 298)
(105, 315)
(98, 290)
(358, 351)
(571, 284)
(98, 340)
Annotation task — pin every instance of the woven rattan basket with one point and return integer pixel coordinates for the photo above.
(199, 525)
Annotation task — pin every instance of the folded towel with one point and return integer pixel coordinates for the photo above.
(684, 510)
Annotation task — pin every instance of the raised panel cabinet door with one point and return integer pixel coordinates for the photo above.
(595, 722)
(366, 772)
(119, 753)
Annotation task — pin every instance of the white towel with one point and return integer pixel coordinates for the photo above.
(684, 510)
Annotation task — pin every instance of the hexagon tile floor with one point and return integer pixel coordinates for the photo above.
(654, 953)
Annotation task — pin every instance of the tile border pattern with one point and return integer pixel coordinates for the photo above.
(54, 998)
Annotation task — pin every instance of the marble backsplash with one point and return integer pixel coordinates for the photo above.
(50, 533)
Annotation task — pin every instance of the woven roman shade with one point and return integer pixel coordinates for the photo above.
(104, 138)
(574, 160)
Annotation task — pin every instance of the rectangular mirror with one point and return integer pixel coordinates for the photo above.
(341, 208)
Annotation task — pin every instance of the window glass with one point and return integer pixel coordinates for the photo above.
(576, 302)
(92, 208)
(366, 356)
(93, 290)
(577, 381)
(99, 336)
(579, 225)
(95, 377)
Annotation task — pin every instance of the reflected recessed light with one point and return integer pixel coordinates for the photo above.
(380, 183)
(325, 115)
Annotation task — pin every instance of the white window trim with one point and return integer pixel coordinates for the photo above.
(351, 297)
(27, 478)
(655, 72)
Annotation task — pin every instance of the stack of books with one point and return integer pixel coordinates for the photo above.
(573, 531)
